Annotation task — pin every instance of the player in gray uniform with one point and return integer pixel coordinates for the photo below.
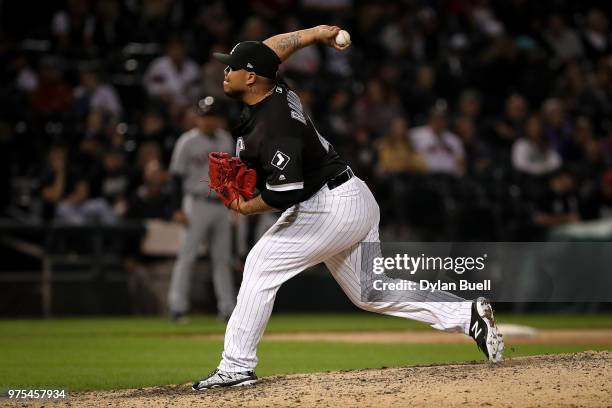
(203, 214)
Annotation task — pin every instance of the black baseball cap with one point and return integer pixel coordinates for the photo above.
(252, 56)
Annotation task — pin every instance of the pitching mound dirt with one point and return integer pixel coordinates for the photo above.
(577, 380)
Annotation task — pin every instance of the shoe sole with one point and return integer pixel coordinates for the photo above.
(240, 384)
(495, 340)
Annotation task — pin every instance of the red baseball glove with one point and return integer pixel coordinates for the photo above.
(230, 178)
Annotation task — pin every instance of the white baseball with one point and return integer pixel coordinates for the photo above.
(343, 38)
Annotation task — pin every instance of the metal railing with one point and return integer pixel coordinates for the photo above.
(68, 253)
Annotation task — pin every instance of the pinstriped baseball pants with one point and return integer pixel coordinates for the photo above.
(329, 228)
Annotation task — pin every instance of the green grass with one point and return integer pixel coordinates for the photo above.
(122, 326)
(109, 353)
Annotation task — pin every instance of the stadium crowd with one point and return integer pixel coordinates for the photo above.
(470, 120)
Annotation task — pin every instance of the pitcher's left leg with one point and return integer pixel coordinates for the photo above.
(452, 316)
(449, 312)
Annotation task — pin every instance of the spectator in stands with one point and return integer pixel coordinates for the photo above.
(484, 19)
(254, 28)
(214, 24)
(73, 28)
(583, 131)
(53, 95)
(94, 95)
(155, 127)
(117, 137)
(572, 85)
(535, 79)
(599, 204)
(304, 62)
(67, 195)
(562, 40)
(25, 78)
(337, 125)
(453, 71)
(507, 129)
(590, 168)
(395, 152)
(558, 131)
(586, 93)
(96, 126)
(429, 29)
(115, 180)
(376, 107)
(111, 28)
(86, 161)
(173, 77)
(153, 198)
(398, 37)
(606, 147)
(397, 165)
(155, 20)
(532, 154)
(147, 152)
(499, 66)
(470, 105)
(188, 121)
(441, 149)
(79, 208)
(597, 102)
(595, 35)
(360, 155)
(17, 82)
(56, 179)
(559, 204)
(422, 96)
(478, 160)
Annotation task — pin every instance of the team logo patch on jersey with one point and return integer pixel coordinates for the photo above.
(280, 160)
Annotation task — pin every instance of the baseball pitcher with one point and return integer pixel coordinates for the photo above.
(327, 211)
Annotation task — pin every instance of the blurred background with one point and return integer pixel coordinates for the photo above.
(470, 121)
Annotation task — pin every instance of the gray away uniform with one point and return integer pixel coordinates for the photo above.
(208, 219)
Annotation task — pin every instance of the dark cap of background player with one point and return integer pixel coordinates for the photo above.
(251, 56)
(208, 106)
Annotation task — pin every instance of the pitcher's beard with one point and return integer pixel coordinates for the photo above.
(234, 94)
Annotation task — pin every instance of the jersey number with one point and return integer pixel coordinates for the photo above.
(323, 140)
(297, 113)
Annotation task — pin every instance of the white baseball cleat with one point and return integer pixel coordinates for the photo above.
(220, 378)
(484, 331)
